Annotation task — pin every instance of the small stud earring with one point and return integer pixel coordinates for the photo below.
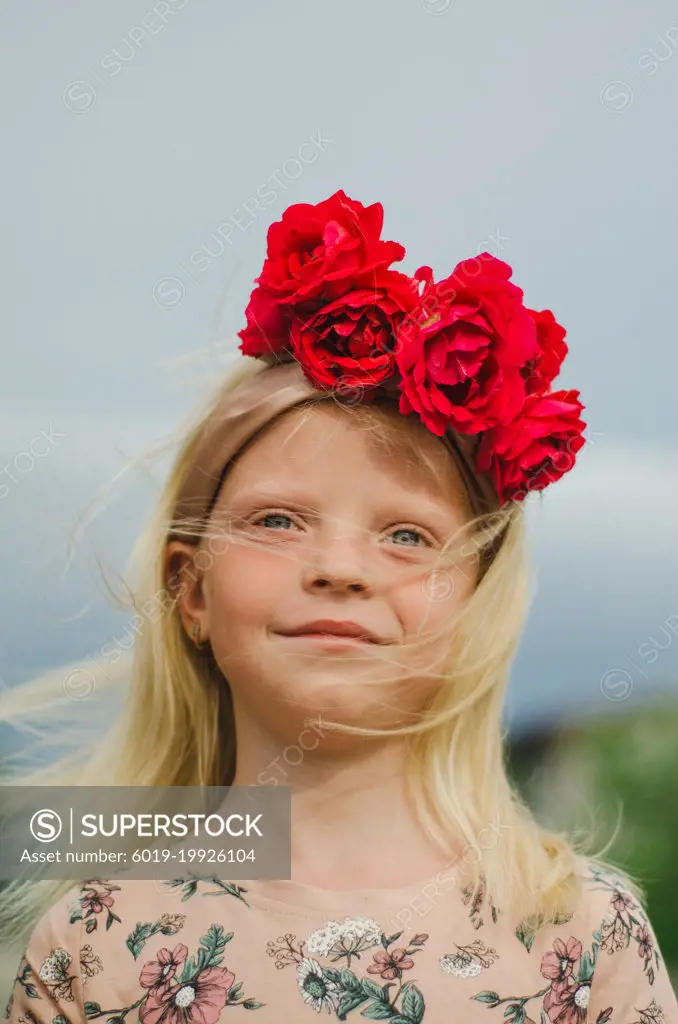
(195, 633)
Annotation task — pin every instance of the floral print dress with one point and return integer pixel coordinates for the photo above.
(198, 951)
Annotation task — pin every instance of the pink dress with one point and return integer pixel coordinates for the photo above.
(192, 951)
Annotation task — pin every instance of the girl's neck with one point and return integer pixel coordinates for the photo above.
(352, 817)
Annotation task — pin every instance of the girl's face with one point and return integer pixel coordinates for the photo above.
(311, 523)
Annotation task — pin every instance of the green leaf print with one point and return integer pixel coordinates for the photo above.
(92, 1008)
(526, 933)
(413, 1004)
(167, 924)
(491, 998)
(585, 968)
(190, 887)
(227, 889)
(28, 986)
(348, 981)
(210, 952)
(379, 1011)
(136, 940)
(215, 942)
(349, 1001)
(235, 992)
(373, 990)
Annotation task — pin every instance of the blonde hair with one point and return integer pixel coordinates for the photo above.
(177, 728)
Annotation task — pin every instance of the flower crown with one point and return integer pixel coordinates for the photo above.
(463, 353)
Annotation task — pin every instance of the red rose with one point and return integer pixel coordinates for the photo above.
(267, 330)
(350, 342)
(314, 255)
(317, 248)
(535, 450)
(461, 363)
(540, 372)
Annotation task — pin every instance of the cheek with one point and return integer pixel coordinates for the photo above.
(245, 587)
(427, 610)
(432, 601)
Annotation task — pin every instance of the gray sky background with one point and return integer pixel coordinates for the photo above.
(134, 132)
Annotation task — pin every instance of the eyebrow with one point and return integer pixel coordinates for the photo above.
(262, 494)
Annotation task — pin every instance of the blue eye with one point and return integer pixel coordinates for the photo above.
(272, 515)
(411, 530)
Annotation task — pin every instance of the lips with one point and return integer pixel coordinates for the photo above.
(333, 627)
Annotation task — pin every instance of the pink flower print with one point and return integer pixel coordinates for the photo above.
(569, 1004)
(95, 902)
(160, 972)
(644, 942)
(390, 965)
(199, 1001)
(621, 902)
(557, 964)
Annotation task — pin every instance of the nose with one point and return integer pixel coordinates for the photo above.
(338, 563)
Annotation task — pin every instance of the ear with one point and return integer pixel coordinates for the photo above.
(185, 582)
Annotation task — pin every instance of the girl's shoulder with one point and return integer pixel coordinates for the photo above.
(87, 941)
(601, 959)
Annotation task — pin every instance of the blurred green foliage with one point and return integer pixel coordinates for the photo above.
(615, 771)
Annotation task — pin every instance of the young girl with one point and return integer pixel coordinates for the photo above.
(333, 589)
